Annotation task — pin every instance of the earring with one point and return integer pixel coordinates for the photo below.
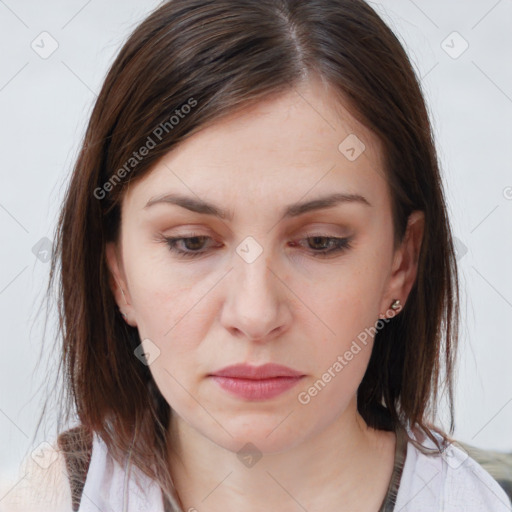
(396, 304)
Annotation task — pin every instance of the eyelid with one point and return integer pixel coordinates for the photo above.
(323, 233)
(339, 245)
(337, 229)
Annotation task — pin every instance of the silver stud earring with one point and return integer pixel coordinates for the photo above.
(396, 304)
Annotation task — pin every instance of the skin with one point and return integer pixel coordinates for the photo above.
(287, 306)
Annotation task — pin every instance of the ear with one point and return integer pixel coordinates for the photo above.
(118, 284)
(405, 265)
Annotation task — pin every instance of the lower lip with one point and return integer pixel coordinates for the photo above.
(261, 389)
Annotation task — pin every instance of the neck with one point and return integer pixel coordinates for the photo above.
(347, 463)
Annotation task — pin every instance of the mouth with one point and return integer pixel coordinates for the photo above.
(256, 382)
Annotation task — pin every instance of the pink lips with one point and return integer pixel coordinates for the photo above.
(256, 382)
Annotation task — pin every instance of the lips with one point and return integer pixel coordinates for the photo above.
(256, 382)
(266, 371)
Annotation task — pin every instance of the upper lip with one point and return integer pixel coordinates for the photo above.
(266, 371)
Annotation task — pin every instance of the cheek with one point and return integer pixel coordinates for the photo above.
(174, 315)
(155, 307)
(349, 302)
(160, 295)
(348, 309)
(341, 355)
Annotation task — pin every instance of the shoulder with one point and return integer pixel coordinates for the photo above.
(42, 483)
(468, 483)
(450, 480)
(52, 476)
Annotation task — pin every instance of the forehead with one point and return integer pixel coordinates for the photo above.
(300, 144)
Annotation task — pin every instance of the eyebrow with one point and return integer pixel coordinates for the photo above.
(292, 210)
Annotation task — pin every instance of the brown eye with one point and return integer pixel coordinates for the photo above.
(187, 247)
(194, 243)
(319, 242)
(322, 245)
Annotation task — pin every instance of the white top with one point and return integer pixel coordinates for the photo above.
(452, 482)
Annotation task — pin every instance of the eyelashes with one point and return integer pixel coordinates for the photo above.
(187, 247)
(334, 245)
(173, 243)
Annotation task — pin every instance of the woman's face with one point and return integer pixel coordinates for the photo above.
(257, 286)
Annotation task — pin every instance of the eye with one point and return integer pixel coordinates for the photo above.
(193, 245)
(319, 245)
(324, 245)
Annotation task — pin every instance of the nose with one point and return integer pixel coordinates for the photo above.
(256, 304)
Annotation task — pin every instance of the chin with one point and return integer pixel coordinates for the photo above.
(268, 433)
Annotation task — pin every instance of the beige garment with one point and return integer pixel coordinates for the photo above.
(42, 484)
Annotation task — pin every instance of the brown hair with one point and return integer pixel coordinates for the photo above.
(216, 57)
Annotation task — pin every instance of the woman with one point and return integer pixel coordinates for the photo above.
(258, 286)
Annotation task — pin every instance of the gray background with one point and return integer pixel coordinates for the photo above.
(45, 103)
